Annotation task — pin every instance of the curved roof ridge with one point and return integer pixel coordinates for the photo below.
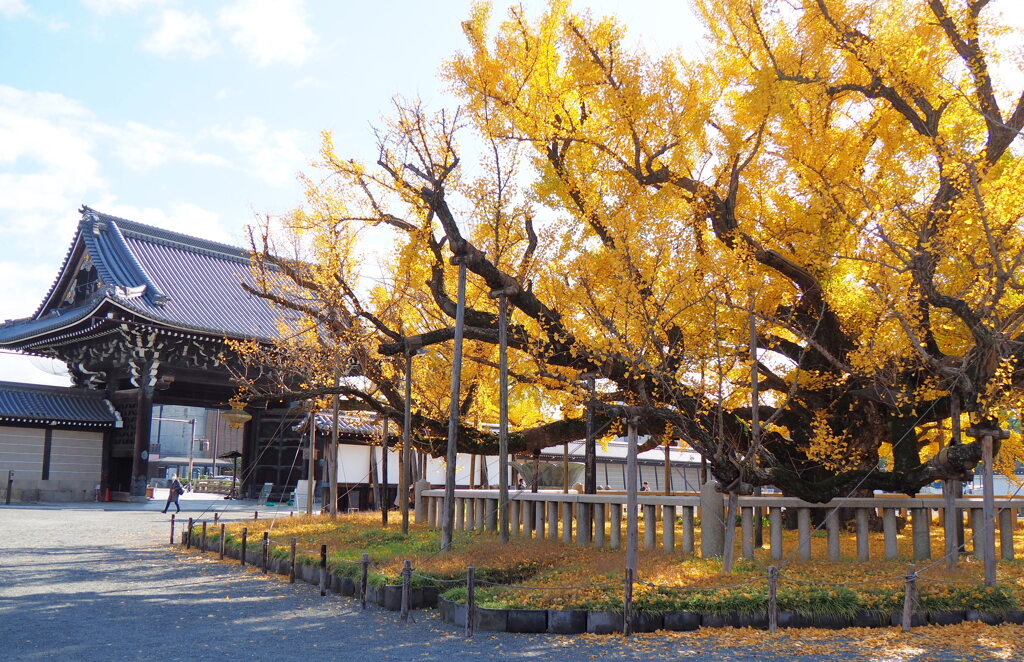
(177, 239)
(119, 262)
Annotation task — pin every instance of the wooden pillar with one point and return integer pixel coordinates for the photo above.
(460, 513)
(977, 532)
(922, 539)
(145, 379)
(553, 520)
(491, 514)
(566, 508)
(480, 505)
(668, 528)
(528, 520)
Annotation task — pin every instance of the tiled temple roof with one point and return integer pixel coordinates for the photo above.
(55, 405)
(172, 279)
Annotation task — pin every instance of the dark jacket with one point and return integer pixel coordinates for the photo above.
(175, 491)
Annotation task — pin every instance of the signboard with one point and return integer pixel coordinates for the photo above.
(265, 493)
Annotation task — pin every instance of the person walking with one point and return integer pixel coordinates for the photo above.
(173, 493)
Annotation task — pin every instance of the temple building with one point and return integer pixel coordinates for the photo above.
(143, 318)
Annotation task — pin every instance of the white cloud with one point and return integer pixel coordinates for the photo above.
(104, 7)
(57, 24)
(13, 8)
(269, 31)
(179, 33)
(274, 156)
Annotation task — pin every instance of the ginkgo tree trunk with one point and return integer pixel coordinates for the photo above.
(844, 178)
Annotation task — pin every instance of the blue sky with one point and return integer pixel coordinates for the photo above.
(197, 115)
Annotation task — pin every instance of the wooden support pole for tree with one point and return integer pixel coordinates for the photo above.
(470, 600)
(632, 553)
(384, 499)
(405, 459)
(773, 598)
(332, 463)
(988, 506)
(311, 463)
(448, 516)
(503, 524)
(728, 553)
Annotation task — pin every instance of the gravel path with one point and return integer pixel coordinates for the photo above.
(98, 582)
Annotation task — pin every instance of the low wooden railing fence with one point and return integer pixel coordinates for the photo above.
(597, 520)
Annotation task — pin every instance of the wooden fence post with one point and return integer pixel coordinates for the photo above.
(172, 528)
(256, 515)
(470, 600)
(221, 542)
(188, 535)
(909, 596)
(627, 604)
(266, 551)
(291, 571)
(202, 543)
(773, 598)
(362, 581)
(245, 545)
(216, 518)
(323, 570)
(406, 589)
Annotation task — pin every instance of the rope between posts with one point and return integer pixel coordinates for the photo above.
(547, 588)
(752, 580)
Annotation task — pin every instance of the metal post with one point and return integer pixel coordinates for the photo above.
(311, 463)
(384, 475)
(632, 555)
(191, 443)
(503, 525)
(590, 448)
(333, 460)
(404, 460)
(448, 519)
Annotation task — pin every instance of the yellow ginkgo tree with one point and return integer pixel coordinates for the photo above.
(827, 205)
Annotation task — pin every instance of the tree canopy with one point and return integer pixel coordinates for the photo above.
(822, 215)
